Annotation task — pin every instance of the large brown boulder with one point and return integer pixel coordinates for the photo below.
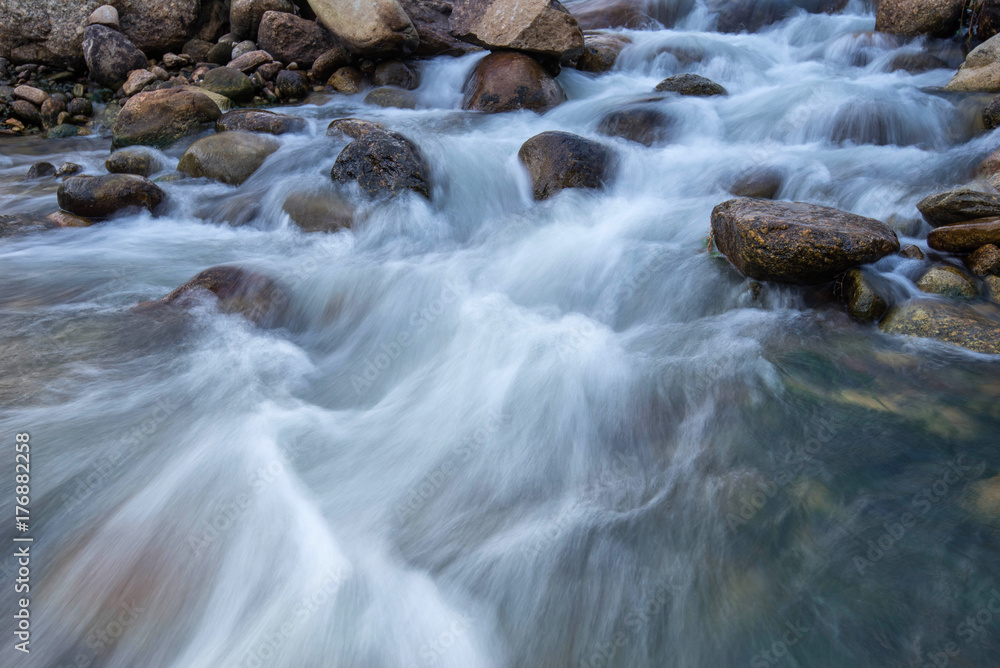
(292, 39)
(257, 297)
(938, 18)
(245, 15)
(430, 17)
(794, 242)
(371, 27)
(110, 56)
(980, 73)
(976, 327)
(957, 206)
(506, 81)
(259, 120)
(101, 196)
(229, 157)
(381, 162)
(965, 237)
(161, 117)
(559, 160)
(542, 27)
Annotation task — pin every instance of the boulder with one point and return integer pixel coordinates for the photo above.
(642, 123)
(860, 294)
(395, 73)
(948, 281)
(382, 163)
(292, 39)
(794, 242)
(230, 83)
(976, 327)
(329, 62)
(105, 15)
(392, 97)
(559, 160)
(245, 15)
(257, 297)
(131, 161)
(430, 18)
(229, 157)
(160, 26)
(347, 80)
(956, 206)
(600, 52)
(101, 196)
(980, 73)
(26, 112)
(965, 237)
(161, 117)
(984, 261)
(220, 54)
(258, 120)
(372, 27)
(690, 84)
(542, 27)
(937, 18)
(68, 169)
(20, 223)
(110, 56)
(506, 81)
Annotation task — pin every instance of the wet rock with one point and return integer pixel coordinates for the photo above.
(605, 14)
(173, 62)
(26, 112)
(559, 160)
(197, 49)
(760, 182)
(541, 27)
(68, 169)
(911, 252)
(220, 54)
(974, 327)
(137, 80)
(644, 124)
(600, 52)
(33, 95)
(242, 48)
(248, 62)
(131, 161)
(258, 120)
(794, 242)
(229, 82)
(965, 237)
(161, 117)
(329, 62)
(992, 288)
(347, 80)
(40, 169)
(507, 81)
(370, 28)
(110, 56)
(864, 303)
(395, 73)
(392, 97)
(430, 18)
(105, 15)
(18, 224)
(948, 281)
(937, 18)
(291, 84)
(916, 63)
(354, 128)
(382, 163)
(245, 15)
(64, 219)
(258, 298)
(229, 157)
(63, 131)
(984, 261)
(690, 84)
(960, 205)
(991, 114)
(981, 70)
(222, 103)
(80, 106)
(101, 196)
(51, 109)
(268, 71)
(292, 39)
(319, 212)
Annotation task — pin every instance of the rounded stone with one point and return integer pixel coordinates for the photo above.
(101, 196)
(229, 157)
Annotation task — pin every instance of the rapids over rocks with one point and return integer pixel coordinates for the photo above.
(497, 432)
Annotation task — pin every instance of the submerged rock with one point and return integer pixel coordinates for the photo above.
(259, 120)
(101, 196)
(41, 169)
(255, 296)
(761, 182)
(382, 162)
(600, 52)
(130, 161)
(559, 160)
(965, 237)
(392, 97)
(507, 81)
(319, 212)
(543, 27)
(793, 242)
(690, 84)
(353, 128)
(948, 281)
(643, 124)
(19, 223)
(230, 157)
(159, 118)
(864, 303)
(956, 206)
(976, 327)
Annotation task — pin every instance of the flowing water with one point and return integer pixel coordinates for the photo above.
(497, 432)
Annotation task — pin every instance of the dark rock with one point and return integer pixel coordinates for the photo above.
(643, 124)
(937, 18)
(507, 81)
(229, 82)
(269, 71)
(542, 27)
(110, 55)
(248, 62)
(976, 327)
(911, 252)
(258, 120)
(198, 49)
(257, 297)
(26, 112)
(40, 169)
(793, 242)
(130, 161)
(245, 15)
(965, 237)
(292, 39)
(220, 54)
(229, 157)
(347, 80)
(735, 16)
(329, 62)
(559, 160)
(430, 17)
(68, 169)
(991, 114)
(956, 206)
(291, 84)
(759, 182)
(392, 97)
(948, 281)
(382, 163)
(161, 117)
(864, 303)
(395, 73)
(600, 52)
(984, 261)
(63, 131)
(80, 106)
(101, 196)
(690, 84)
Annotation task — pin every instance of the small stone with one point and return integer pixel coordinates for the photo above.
(160, 73)
(355, 128)
(268, 71)
(64, 131)
(912, 252)
(600, 52)
(948, 281)
(291, 85)
(864, 303)
(346, 80)
(229, 82)
(329, 62)
(80, 106)
(690, 84)
(51, 109)
(220, 54)
(105, 15)
(40, 169)
(137, 80)
(984, 260)
(64, 117)
(197, 49)
(68, 169)
(244, 47)
(64, 219)
(250, 61)
(130, 161)
(395, 73)
(26, 112)
(259, 120)
(173, 62)
(33, 95)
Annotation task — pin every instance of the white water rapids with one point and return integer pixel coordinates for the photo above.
(503, 433)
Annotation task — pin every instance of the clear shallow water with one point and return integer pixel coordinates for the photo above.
(503, 433)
